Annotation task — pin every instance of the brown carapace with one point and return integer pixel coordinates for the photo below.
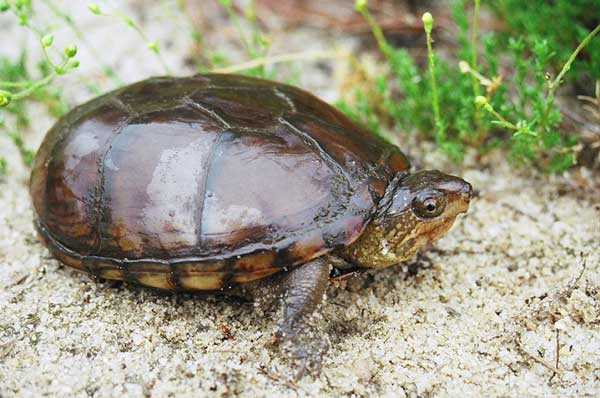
(211, 181)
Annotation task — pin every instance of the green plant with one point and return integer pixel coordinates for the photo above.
(50, 97)
(18, 85)
(412, 98)
(538, 133)
(13, 90)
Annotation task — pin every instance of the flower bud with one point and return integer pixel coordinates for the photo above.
(480, 100)
(47, 40)
(71, 50)
(361, 5)
(94, 9)
(5, 98)
(152, 45)
(427, 19)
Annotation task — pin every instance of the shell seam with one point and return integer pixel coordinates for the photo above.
(317, 147)
(98, 209)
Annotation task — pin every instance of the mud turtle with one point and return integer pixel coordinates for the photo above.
(211, 181)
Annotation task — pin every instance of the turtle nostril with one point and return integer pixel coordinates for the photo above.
(467, 190)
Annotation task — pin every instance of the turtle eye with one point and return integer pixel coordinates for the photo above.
(430, 205)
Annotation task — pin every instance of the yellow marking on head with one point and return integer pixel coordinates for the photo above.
(377, 249)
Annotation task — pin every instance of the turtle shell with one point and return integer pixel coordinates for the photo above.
(204, 182)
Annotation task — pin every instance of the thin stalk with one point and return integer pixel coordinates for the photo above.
(275, 59)
(474, 58)
(15, 84)
(375, 28)
(236, 21)
(553, 85)
(481, 101)
(33, 87)
(428, 25)
(152, 45)
(556, 82)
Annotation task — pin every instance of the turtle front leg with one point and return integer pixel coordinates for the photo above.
(303, 290)
(298, 293)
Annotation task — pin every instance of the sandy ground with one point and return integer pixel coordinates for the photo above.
(507, 305)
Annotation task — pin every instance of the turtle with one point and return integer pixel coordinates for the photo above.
(214, 182)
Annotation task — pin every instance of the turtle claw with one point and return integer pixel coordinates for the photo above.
(306, 351)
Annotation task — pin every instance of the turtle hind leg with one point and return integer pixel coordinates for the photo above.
(303, 290)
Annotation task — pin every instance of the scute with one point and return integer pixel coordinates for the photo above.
(200, 183)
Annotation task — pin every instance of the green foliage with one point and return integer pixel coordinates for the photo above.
(16, 89)
(16, 71)
(458, 103)
(18, 85)
(412, 98)
(562, 23)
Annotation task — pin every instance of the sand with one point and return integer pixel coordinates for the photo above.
(507, 304)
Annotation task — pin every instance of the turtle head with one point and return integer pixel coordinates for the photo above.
(415, 210)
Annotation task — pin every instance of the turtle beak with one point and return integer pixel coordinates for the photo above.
(465, 195)
(459, 193)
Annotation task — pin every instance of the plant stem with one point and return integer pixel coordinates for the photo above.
(375, 28)
(14, 84)
(129, 22)
(236, 21)
(428, 24)
(34, 86)
(482, 101)
(40, 83)
(275, 59)
(552, 86)
(556, 82)
(474, 58)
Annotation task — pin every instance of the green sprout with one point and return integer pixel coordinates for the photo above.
(427, 19)
(362, 7)
(482, 102)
